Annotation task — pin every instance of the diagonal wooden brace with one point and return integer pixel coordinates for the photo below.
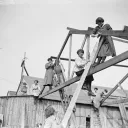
(120, 82)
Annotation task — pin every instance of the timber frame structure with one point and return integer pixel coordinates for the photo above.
(118, 35)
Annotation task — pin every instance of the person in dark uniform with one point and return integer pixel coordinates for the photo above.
(107, 47)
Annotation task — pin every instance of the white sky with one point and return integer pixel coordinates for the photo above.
(38, 27)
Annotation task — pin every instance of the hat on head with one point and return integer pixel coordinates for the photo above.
(36, 81)
(105, 90)
(80, 50)
(49, 59)
(95, 88)
(99, 19)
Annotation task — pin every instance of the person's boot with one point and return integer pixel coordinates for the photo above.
(94, 64)
(50, 87)
(84, 87)
(103, 59)
(90, 93)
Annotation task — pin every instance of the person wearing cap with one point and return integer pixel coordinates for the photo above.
(51, 120)
(80, 63)
(107, 47)
(48, 79)
(95, 90)
(35, 88)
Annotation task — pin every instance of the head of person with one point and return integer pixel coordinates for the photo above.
(80, 53)
(102, 93)
(49, 111)
(50, 59)
(24, 84)
(36, 82)
(1, 122)
(100, 21)
(105, 90)
(95, 89)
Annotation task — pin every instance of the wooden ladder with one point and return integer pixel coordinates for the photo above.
(65, 99)
(61, 79)
(96, 120)
(80, 84)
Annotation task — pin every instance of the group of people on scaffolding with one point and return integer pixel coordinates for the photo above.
(107, 49)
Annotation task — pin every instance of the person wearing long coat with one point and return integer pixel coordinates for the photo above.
(48, 79)
(107, 48)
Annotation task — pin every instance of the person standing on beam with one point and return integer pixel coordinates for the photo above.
(80, 63)
(48, 79)
(107, 48)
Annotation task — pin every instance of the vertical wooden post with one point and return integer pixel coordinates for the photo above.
(123, 113)
(69, 62)
(23, 64)
(69, 89)
(83, 43)
(87, 47)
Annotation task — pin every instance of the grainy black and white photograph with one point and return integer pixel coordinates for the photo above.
(63, 64)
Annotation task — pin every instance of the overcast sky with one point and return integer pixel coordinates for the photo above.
(38, 27)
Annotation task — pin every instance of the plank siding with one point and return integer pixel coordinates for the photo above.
(28, 111)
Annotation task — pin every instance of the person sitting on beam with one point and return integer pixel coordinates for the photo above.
(107, 48)
(80, 63)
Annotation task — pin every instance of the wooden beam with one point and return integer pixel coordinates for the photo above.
(66, 59)
(119, 39)
(76, 31)
(123, 90)
(117, 33)
(117, 85)
(116, 102)
(79, 86)
(83, 43)
(124, 66)
(63, 46)
(26, 71)
(93, 70)
(88, 47)
(62, 58)
(123, 113)
(69, 62)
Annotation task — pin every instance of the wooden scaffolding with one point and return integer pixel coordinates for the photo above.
(118, 35)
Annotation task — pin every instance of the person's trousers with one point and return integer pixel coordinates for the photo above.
(88, 80)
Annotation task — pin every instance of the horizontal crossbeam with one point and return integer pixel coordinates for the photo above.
(117, 33)
(66, 59)
(116, 102)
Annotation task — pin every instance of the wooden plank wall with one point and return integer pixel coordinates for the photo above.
(30, 111)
